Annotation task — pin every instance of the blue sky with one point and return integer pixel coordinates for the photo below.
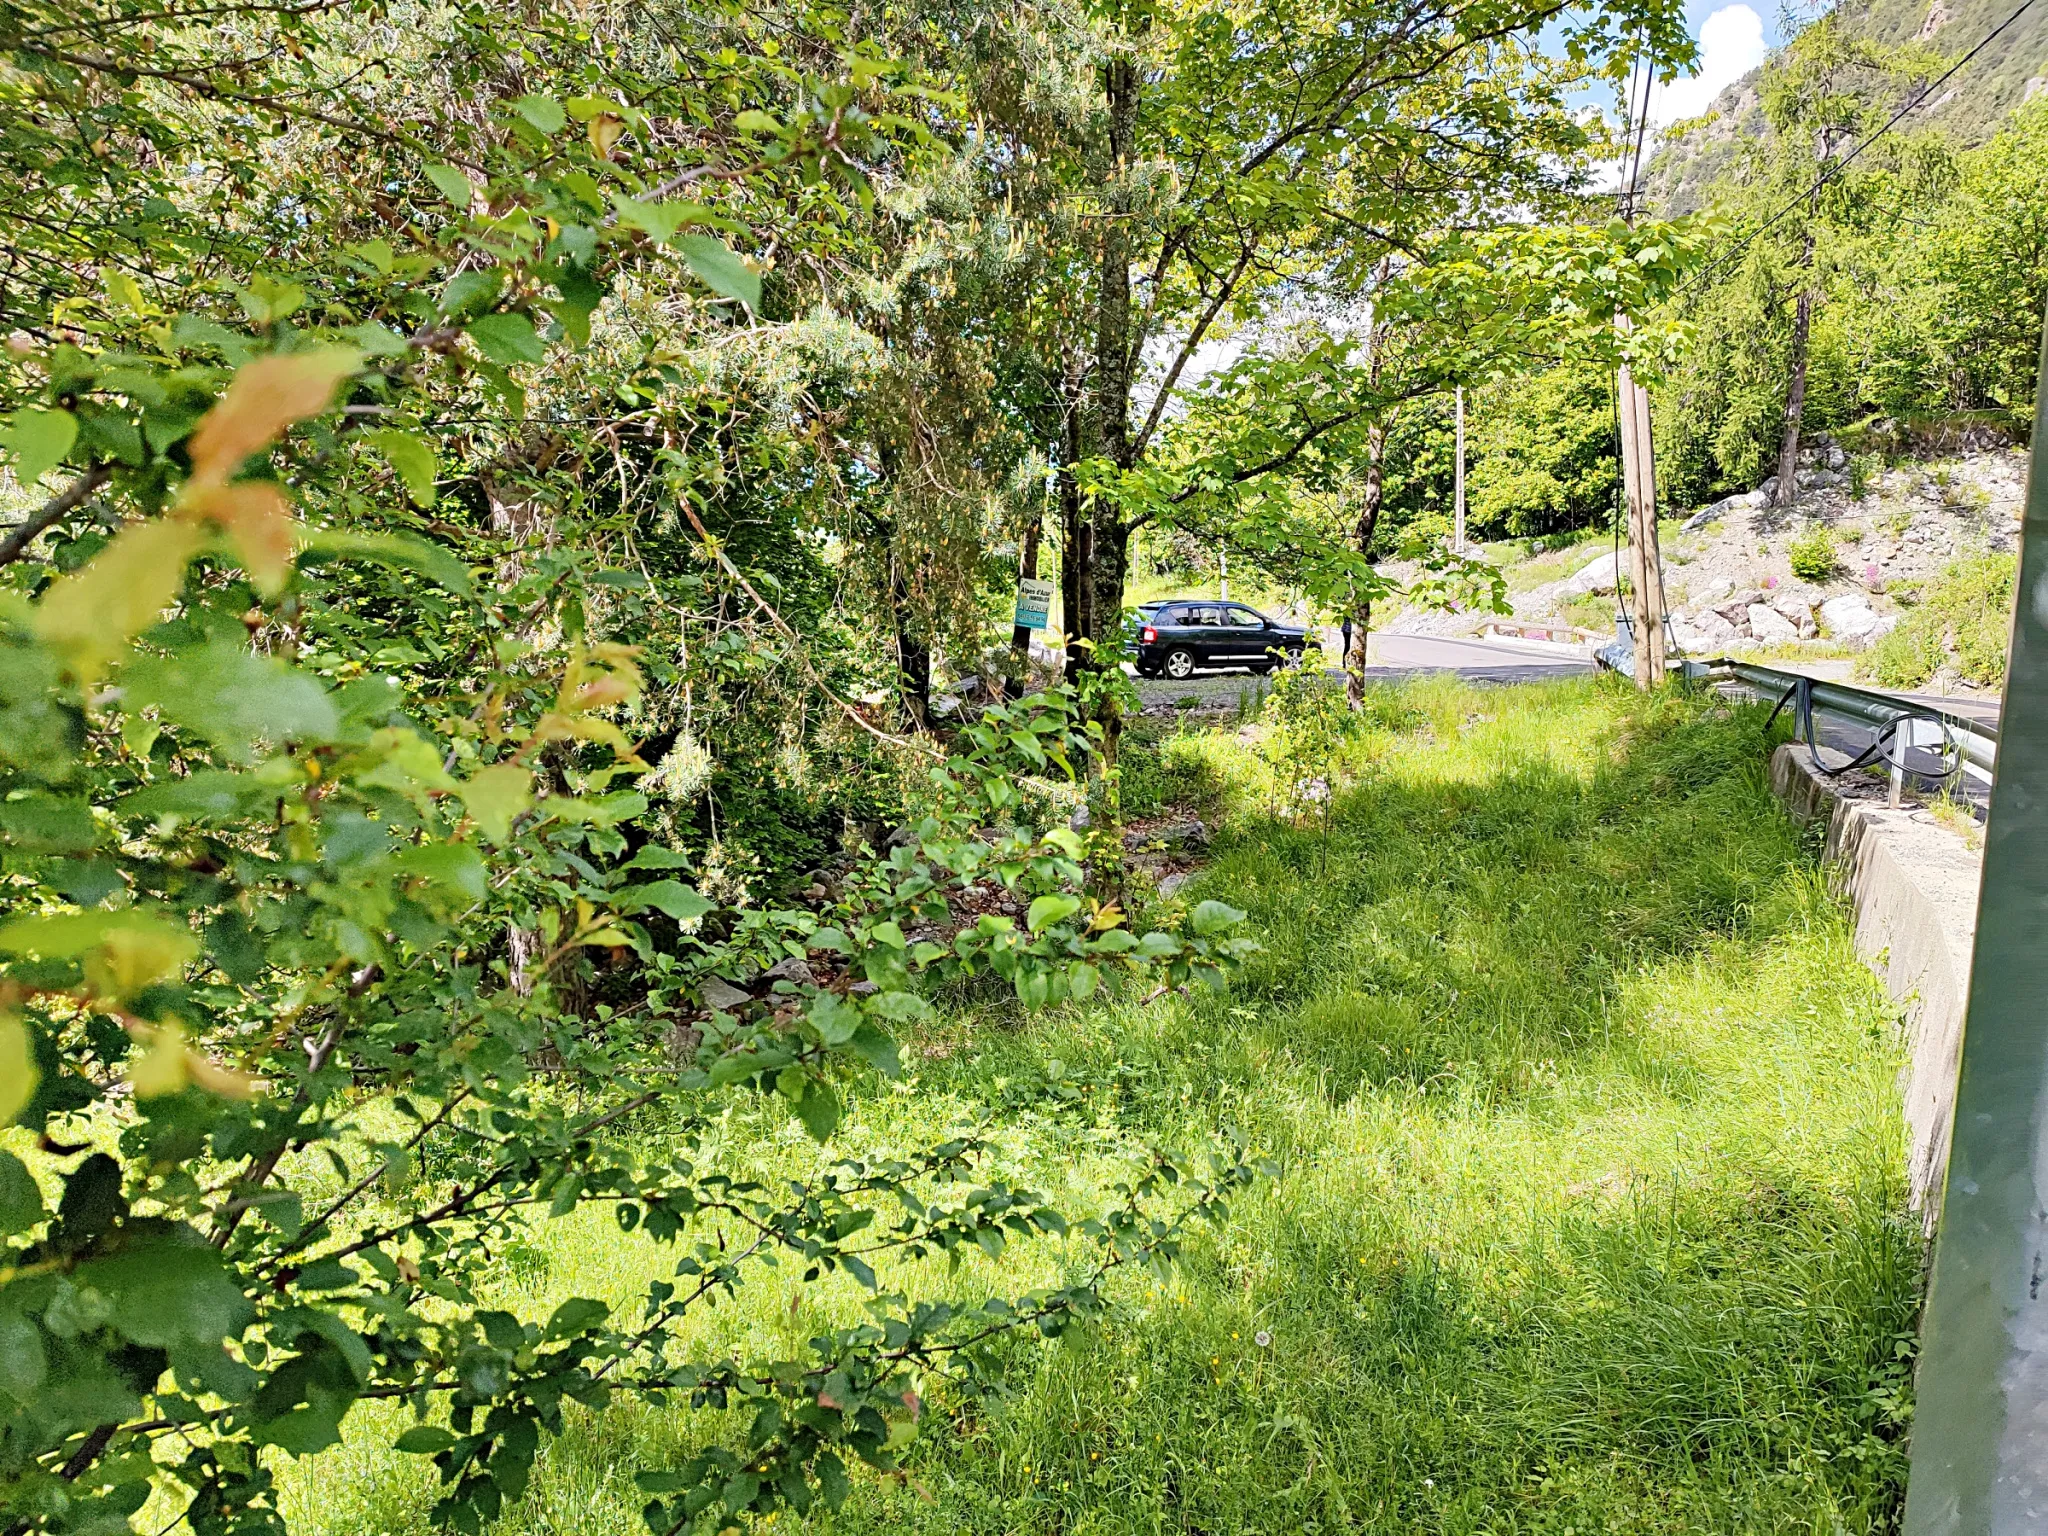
(1732, 39)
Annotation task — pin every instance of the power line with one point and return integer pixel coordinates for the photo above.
(1837, 167)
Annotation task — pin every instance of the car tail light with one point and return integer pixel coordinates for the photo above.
(1148, 634)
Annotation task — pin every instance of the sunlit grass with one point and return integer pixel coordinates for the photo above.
(1587, 1216)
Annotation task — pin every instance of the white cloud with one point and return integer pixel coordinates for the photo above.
(1731, 45)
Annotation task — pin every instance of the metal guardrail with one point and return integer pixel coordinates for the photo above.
(1897, 726)
(1535, 630)
(1912, 722)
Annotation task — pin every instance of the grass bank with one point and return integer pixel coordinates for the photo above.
(1587, 1212)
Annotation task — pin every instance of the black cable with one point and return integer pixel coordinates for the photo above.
(1800, 697)
(1835, 168)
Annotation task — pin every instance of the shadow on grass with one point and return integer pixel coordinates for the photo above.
(1587, 1212)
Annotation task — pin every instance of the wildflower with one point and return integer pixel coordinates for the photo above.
(1263, 1339)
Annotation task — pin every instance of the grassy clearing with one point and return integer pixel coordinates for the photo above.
(1587, 1216)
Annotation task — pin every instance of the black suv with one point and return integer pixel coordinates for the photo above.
(1176, 636)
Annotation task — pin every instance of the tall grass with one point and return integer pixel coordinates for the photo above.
(1587, 1215)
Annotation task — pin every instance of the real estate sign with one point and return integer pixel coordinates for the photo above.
(1034, 603)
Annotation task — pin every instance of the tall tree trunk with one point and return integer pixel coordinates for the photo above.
(1368, 524)
(1114, 363)
(1019, 680)
(1075, 577)
(913, 653)
(1106, 539)
(1787, 490)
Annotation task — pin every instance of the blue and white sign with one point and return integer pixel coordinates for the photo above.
(1034, 603)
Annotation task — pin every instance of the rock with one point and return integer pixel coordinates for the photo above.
(722, 995)
(791, 969)
(1080, 821)
(1594, 576)
(944, 707)
(1822, 480)
(1766, 491)
(1174, 882)
(1702, 629)
(1699, 519)
(1794, 602)
(1769, 624)
(1851, 619)
(1837, 459)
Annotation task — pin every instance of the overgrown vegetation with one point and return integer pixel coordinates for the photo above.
(1587, 1204)
(1962, 620)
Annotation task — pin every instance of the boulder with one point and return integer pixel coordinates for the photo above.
(1768, 624)
(1822, 480)
(1837, 459)
(1850, 618)
(1702, 629)
(791, 969)
(1794, 602)
(1594, 576)
(722, 995)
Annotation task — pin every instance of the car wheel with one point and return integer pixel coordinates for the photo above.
(1180, 663)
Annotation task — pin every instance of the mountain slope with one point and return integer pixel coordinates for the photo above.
(1971, 106)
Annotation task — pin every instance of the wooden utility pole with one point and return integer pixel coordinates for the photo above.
(1645, 563)
(1458, 536)
(1639, 460)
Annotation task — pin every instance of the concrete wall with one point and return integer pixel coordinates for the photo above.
(1913, 884)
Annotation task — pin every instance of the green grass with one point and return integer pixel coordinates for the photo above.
(1588, 1211)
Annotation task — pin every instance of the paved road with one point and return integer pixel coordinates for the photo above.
(1391, 658)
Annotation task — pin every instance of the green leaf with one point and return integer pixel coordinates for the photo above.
(456, 865)
(21, 1198)
(819, 1110)
(23, 1363)
(39, 440)
(210, 793)
(1213, 917)
(678, 900)
(496, 797)
(233, 698)
(655, 856)
(544, 112)
(411, 457)
(720, 270)
(46, 823)
(877, 1047)
(468, 292)
(836, 1020)
(423, 1440)
(451, 184)
(1047, 910)
(169, 1291)
(660, 221)
(579, 1314)
(507, 338)
(430, 560)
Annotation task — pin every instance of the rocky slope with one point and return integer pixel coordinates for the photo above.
(1729, 567)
